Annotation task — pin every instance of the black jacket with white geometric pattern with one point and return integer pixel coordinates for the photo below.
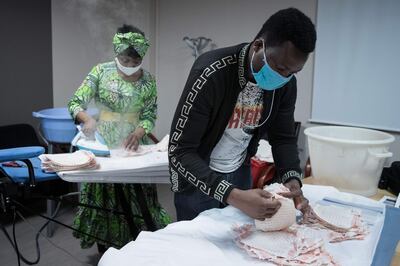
(205, 107)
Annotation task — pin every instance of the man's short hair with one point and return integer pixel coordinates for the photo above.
(289, 25)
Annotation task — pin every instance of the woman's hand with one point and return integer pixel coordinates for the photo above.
(89, 127)
(131, 143)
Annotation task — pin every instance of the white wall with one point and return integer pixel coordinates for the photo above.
(395, 148)
(226, 22)
(82, 33)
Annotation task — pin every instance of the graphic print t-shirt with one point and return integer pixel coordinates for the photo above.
(230, 152)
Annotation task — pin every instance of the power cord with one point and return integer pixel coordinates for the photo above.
(51, 242)
(14, 242)
(14, 237)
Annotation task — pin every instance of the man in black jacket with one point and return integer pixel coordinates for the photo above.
(233, 97)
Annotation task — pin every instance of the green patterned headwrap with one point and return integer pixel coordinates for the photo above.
(123, 41)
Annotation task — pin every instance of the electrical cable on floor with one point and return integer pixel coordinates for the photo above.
(14, 243)
(14, 237)
(65, 225)
(51, 242)
(14, 247)
(7, 235)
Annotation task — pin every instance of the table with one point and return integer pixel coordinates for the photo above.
(380, 193)
(207, 240)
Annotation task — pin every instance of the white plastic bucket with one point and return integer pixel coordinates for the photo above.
(348, 158)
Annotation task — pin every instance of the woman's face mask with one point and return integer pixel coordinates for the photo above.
(127, 70)
(267, 78)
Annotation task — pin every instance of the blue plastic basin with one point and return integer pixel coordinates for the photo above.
(57, 125)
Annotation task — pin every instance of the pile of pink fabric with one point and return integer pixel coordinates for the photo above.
(300, 244)
(78, 160)
(284, 247)
(339, 223)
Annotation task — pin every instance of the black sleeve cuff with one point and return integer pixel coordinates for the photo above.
(222, 191)
(288, 174)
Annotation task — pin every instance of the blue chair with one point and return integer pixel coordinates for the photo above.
(29, 170)
(19, 162)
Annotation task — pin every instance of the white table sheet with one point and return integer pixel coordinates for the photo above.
(148, 168)
(208, 239)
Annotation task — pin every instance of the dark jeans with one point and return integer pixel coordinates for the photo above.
(189, 204)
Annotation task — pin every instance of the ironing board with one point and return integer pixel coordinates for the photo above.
(208, 240)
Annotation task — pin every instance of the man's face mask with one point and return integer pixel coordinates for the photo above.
(127, 70)
(267, 78)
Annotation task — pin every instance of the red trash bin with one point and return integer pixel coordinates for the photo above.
(261, 172)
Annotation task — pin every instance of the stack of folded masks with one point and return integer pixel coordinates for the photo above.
(78, 160)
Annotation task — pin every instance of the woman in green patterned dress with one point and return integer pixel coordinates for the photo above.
(127, 97)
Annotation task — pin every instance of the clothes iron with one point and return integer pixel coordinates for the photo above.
(97, 145)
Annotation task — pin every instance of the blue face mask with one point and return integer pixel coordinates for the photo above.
(267, 78)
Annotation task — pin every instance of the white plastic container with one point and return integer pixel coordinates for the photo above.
(348, 158)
